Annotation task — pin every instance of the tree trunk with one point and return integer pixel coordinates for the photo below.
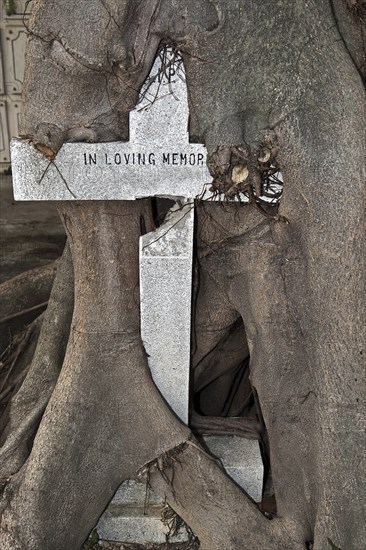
(274, 77)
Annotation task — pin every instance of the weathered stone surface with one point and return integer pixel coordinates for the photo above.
(158, 160)
(135, 512)
(134, 527)
(113, 171)
(165, 287)
(135, 515)
(242, 461)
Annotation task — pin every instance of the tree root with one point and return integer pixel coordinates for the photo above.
(26, 409)
(23, 297)
(27, 290)
(15, 361)
(197, 488)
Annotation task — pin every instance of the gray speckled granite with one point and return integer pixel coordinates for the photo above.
(158, 160)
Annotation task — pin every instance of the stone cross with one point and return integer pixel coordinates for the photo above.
(158, 160)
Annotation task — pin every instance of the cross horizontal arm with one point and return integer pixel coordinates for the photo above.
(109, 171)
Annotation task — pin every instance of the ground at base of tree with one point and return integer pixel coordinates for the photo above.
(109, 545)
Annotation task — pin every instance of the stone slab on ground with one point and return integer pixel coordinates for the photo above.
(112, 545)
(131, 517)
(242, 461)
(135, 516)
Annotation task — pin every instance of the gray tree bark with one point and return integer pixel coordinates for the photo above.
(280, 76)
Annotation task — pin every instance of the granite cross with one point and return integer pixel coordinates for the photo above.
(157, 161)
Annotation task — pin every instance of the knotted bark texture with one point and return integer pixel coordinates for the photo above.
(278, 81)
